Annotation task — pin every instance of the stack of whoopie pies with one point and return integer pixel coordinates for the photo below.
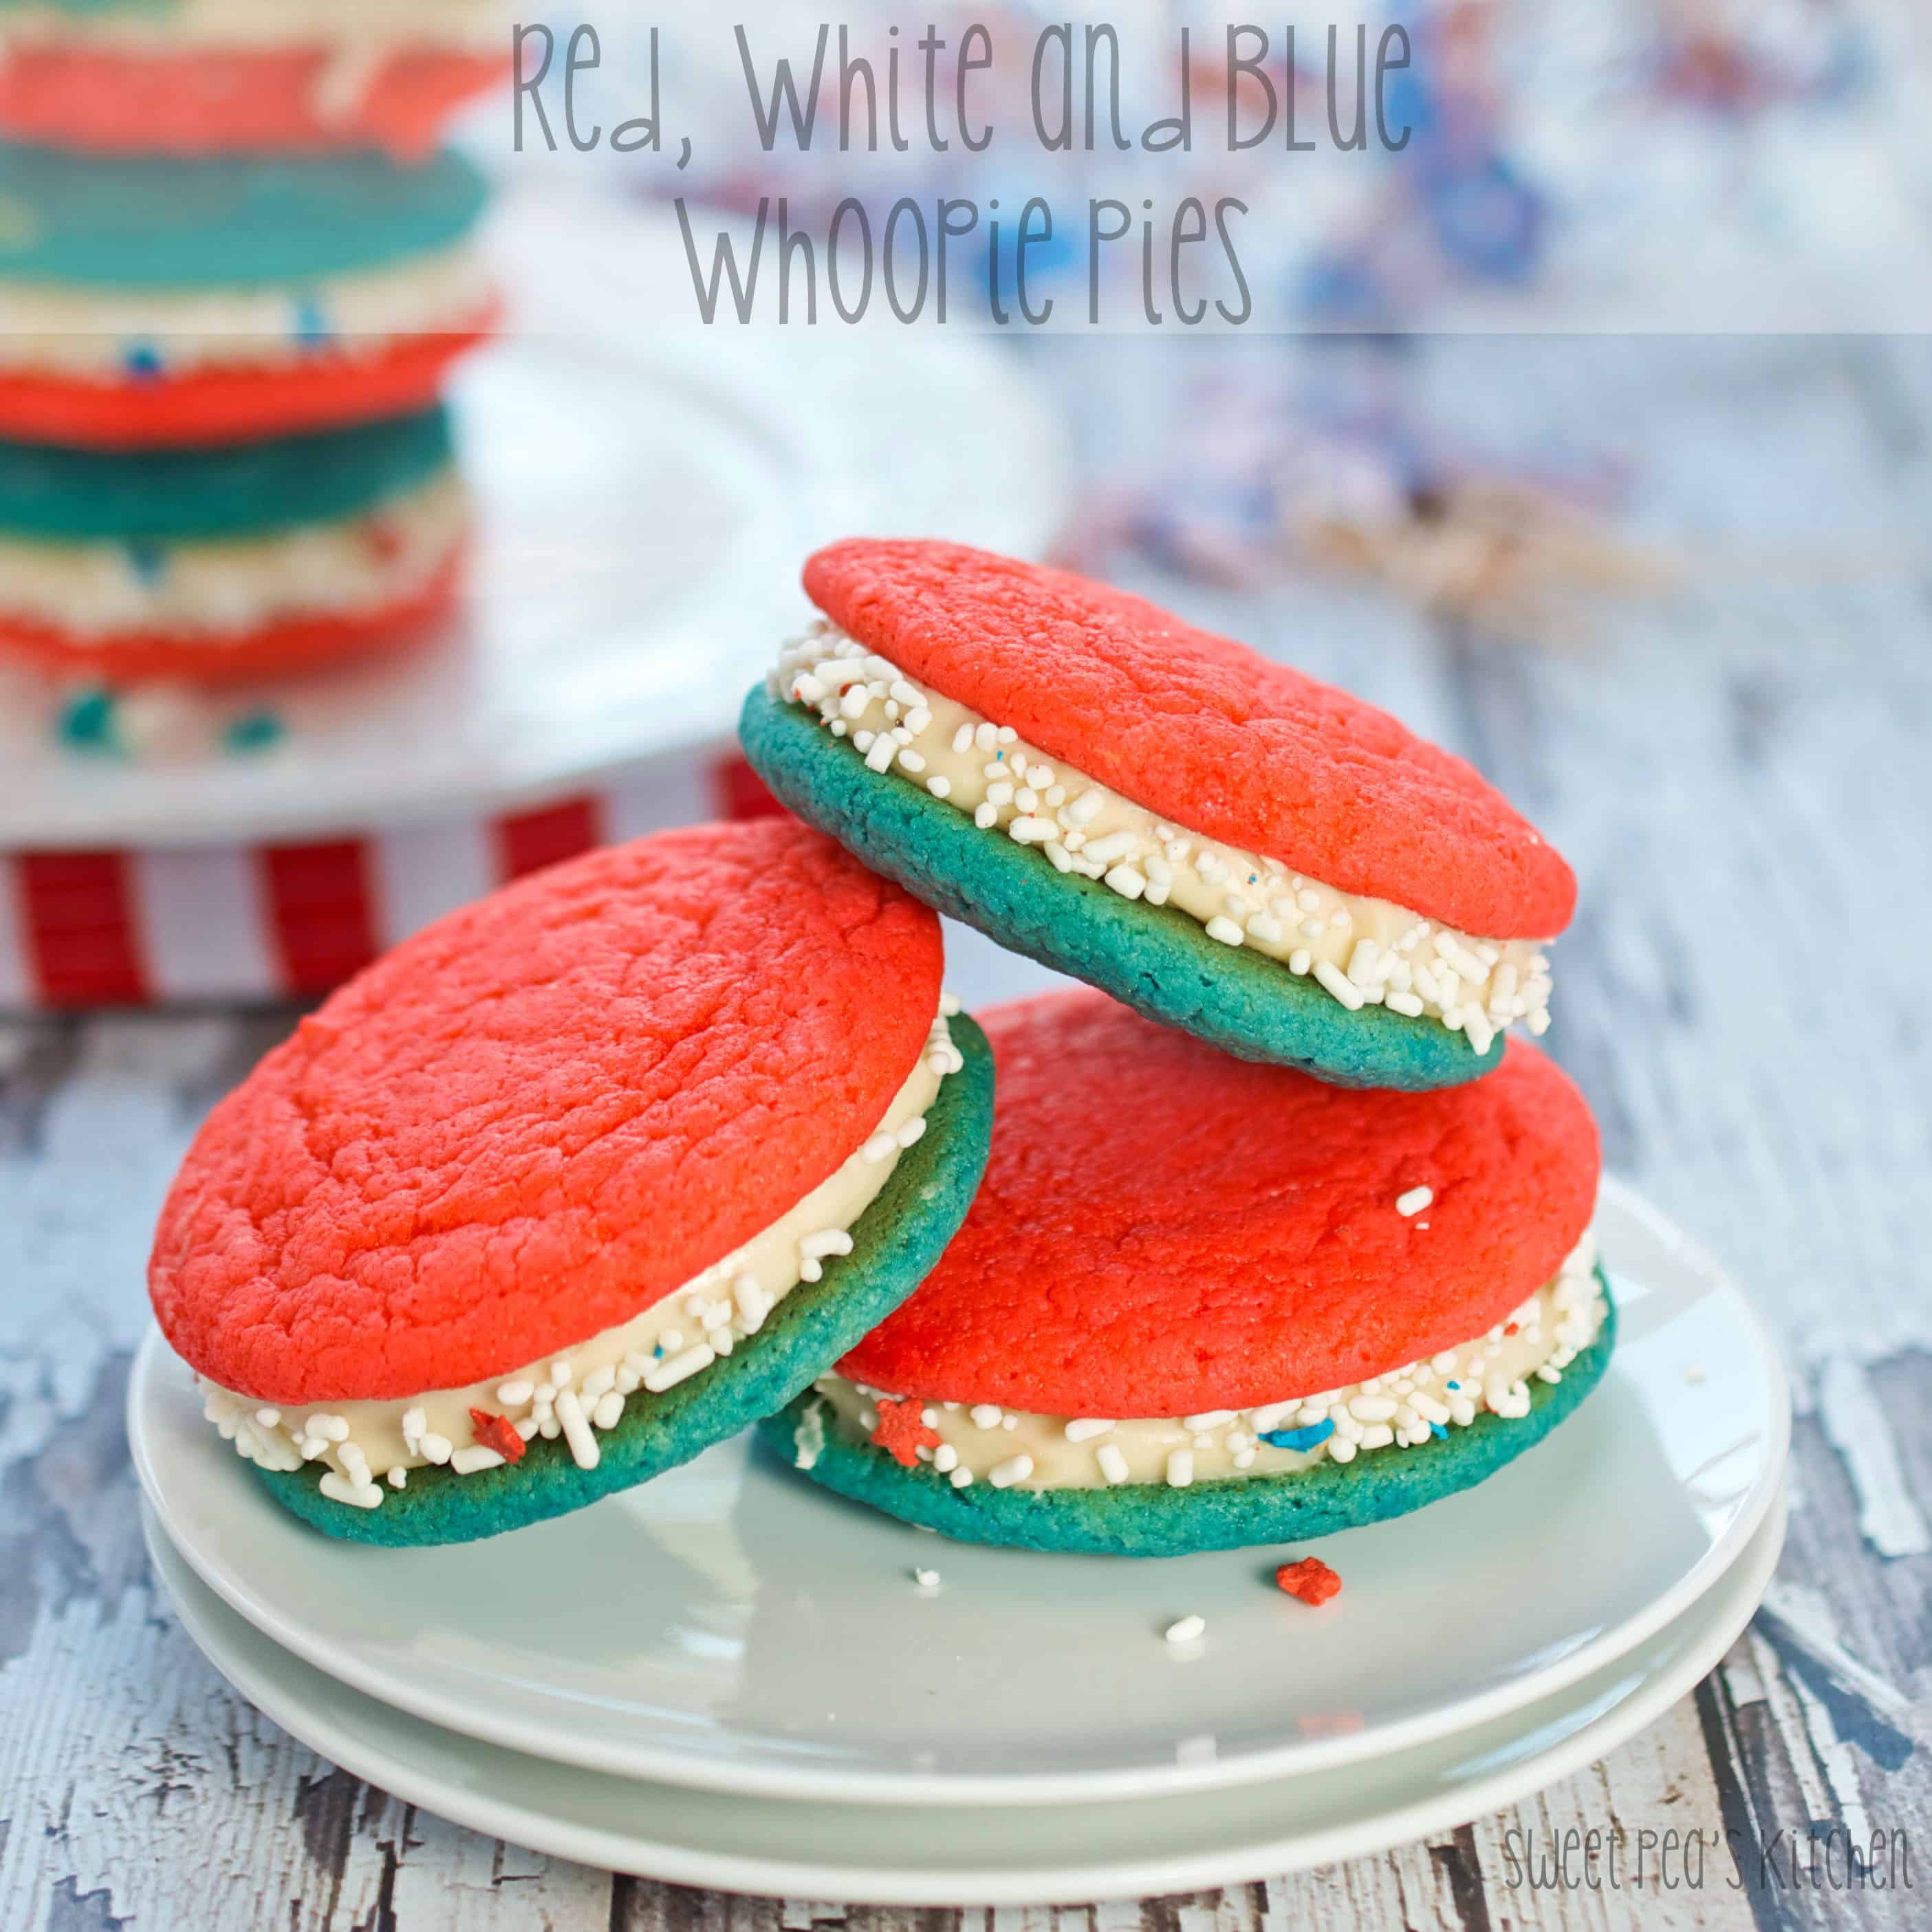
(234, 272)
(1271, 1232)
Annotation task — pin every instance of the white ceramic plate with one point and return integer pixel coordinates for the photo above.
(647, 497)
(732, 1626)
(1021, 1855)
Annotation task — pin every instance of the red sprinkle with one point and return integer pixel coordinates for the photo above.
(496, 1432)
(1509, 1328)
(902, 1433)
(1311, 1580)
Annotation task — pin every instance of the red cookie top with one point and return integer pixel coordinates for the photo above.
(1163, 1231)
(542, 1114)
(1202, 730)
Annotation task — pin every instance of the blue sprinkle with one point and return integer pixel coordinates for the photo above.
(658, 1352)
(142, 362)
(147, 560)
(1254, 878)
(253, 731)
(87, 721)
(997, 756)
(312, 328)
(1453, 1385)
(1441, 1434)
(1311, 1437)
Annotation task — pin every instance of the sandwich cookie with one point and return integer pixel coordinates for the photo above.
(200, 76)
(575, 1183)
(1200, 1303)
(1263, 861)
(151, 300)
(203, 565)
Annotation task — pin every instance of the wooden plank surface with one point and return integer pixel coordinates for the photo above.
(1738, 768)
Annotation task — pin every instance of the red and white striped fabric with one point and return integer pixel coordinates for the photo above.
(169, 925)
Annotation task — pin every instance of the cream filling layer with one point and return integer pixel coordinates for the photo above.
(1363, 951)
(94, 593)
(585, 1387)
(480, 25)
(1014, 1449)
(55, 328)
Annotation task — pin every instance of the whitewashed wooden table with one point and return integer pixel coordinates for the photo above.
(1741, 771)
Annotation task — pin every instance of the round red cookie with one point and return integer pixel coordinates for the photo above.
(542, 1114)
(199, 408)
(198, 100)
(1165, 1231)
(1201, 730)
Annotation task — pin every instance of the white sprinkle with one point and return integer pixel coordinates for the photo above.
(1086, 1428)
(826, 1241)
(946, 1459)
(1128, 880)
(961, 1478)
(576, 1426)
(908, 1136)
(432, 1448)
(1180, 1469)
(1115, 845)
(940, 787)
(609, 1410)
(514, 1395)
(1113, 1464)
(985, 1414)
(399, 1478)
(1029, 830)
(1414, 1201)
(1300, 960)
(1337, 982)
(1222, 927)
(962, 740)
(339, 1489)
(1404, 1003)
(753, 1303)
(1212, 1418)
(1362, 962)
(1186, 1630)
(1014, 1469)
(1373, 1408)
(1086, 808)
(881, 1147)
(669, 1372)
(467, 1462)
(926, 1579)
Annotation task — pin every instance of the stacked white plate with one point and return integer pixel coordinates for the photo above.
(729, 1678)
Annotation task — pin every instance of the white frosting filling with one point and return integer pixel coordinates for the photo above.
(385, 25)
(94, 593)
(59, 328)
(1362, 951)
(1013, 1448)
(586, 1388)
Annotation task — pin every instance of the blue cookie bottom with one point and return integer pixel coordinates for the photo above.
(1153, 958)
(204, 496)
(895, 1243)
(1151, 1519)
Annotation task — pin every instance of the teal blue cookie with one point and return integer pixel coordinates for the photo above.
(1151, 1519)
(187, 496)
(1153, 957)
(162, 224)
(895, 1243)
